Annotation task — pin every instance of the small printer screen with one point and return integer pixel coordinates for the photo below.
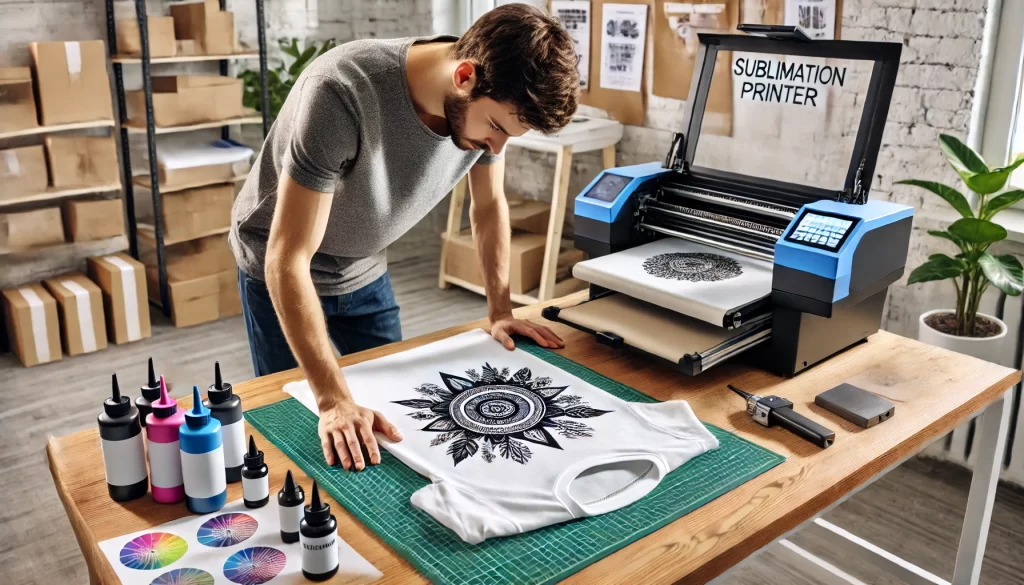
(822, 230)
(608, 187)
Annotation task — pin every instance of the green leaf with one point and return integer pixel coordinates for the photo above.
(948, 236)
(955, 198)
(977, 231)
(961, 156)
(1005, 272)
(988, 183)
(1001, 202)
(938, 267)
(300, 63)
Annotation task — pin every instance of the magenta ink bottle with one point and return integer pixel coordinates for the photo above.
(124, 457)
(150, 394)
(164, 457)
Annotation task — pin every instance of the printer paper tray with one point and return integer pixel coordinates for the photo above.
(693, 345)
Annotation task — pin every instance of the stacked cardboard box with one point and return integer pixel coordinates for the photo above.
(23, 230)
(212, 30)
(72, 82)
(180, 100)
(22, 172)
(82, 161)
(198, 212)
(123, 282)
(202, 278)
(525, 262)
(17, 100)
(161, 37)
(80, 307)
(93, 219)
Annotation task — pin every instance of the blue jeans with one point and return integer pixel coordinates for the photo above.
(359, 320)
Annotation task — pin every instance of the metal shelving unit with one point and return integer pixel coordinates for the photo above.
(151, 131)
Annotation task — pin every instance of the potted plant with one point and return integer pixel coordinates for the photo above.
(963, 329)
(281, 79)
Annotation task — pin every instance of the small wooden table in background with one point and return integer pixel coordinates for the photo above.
(586, 135)
(934, 390)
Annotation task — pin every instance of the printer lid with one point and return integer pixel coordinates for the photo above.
(800, 118)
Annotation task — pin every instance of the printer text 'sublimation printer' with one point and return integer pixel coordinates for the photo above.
(756, 236)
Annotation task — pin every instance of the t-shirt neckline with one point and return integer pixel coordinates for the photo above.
(403, 59)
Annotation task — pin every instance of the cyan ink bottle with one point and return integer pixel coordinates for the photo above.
(202, 459)
(124, 458)
(162, 429)
(150, 393)
(289, 508)
(319, 537)
(227, 408)
(255, 485)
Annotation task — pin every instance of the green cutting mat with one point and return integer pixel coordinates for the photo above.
(379, 497)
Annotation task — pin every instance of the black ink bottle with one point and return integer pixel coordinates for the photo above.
(227, 408)
(319, 537)
(124, 457)
(289, 508)
(255, 485)
(150, 394)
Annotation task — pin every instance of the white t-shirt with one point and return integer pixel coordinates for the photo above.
(512, 443)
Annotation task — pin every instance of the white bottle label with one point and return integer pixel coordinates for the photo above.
(255, 490)
(164, 464)
(319, 555)
(290, 517)
(124, 462)
(234, 443)
(203, 473)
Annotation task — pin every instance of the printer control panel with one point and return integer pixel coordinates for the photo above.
(822, 230)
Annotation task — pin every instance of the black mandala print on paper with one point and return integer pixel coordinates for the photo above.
(693, 267)
(496, 414)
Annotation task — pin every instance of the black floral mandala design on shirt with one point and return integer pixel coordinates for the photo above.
(496, 414)
(692, 266)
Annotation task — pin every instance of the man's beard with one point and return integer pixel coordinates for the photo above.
(455, 114)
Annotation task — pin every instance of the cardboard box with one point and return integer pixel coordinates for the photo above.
(193, 213)
(72, 82)
(17, 100)
(80, 307)
(528, 215)
(194, 258)
(199, 300)
(82, 161)
(525, 260)
(203, 22)
(161, 37)
(203, 164)
(188, 99)
(93, 220)
(22, 172)
(187, 48)
(29, 229)
(32, 324)
(123, 282)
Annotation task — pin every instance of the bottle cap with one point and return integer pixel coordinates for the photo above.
(151, 391)
(116, 405)
(253, 459)
(317, 512)
(291, 493)
(165, 406)
(198, 416)
(218, 391)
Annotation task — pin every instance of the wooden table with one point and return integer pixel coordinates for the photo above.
(934, 390)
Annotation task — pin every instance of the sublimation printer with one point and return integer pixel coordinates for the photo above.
(756, 235)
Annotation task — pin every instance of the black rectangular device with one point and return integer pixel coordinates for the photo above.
(858, 406)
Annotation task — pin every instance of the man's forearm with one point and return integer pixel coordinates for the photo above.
(302, 320)
(492, 234)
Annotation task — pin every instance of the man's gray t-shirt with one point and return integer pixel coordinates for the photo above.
(349, 127)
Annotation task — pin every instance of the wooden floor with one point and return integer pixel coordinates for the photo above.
(915, 511)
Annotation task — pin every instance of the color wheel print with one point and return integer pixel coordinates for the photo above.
(184, 577)
(155, 550)
(253, 566)
(227, 530)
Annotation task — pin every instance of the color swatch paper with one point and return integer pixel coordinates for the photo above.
(235, 545)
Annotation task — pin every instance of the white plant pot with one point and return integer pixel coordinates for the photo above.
(990, 349)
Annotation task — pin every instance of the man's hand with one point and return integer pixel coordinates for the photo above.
(503, 327)
(345, 425)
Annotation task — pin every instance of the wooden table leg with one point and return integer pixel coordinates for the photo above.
(563, 168)
(608, 156)
(453, 227)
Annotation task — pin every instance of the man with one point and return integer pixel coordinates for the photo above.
(373, 135)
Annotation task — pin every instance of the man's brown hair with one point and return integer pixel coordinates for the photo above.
(525, 58)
